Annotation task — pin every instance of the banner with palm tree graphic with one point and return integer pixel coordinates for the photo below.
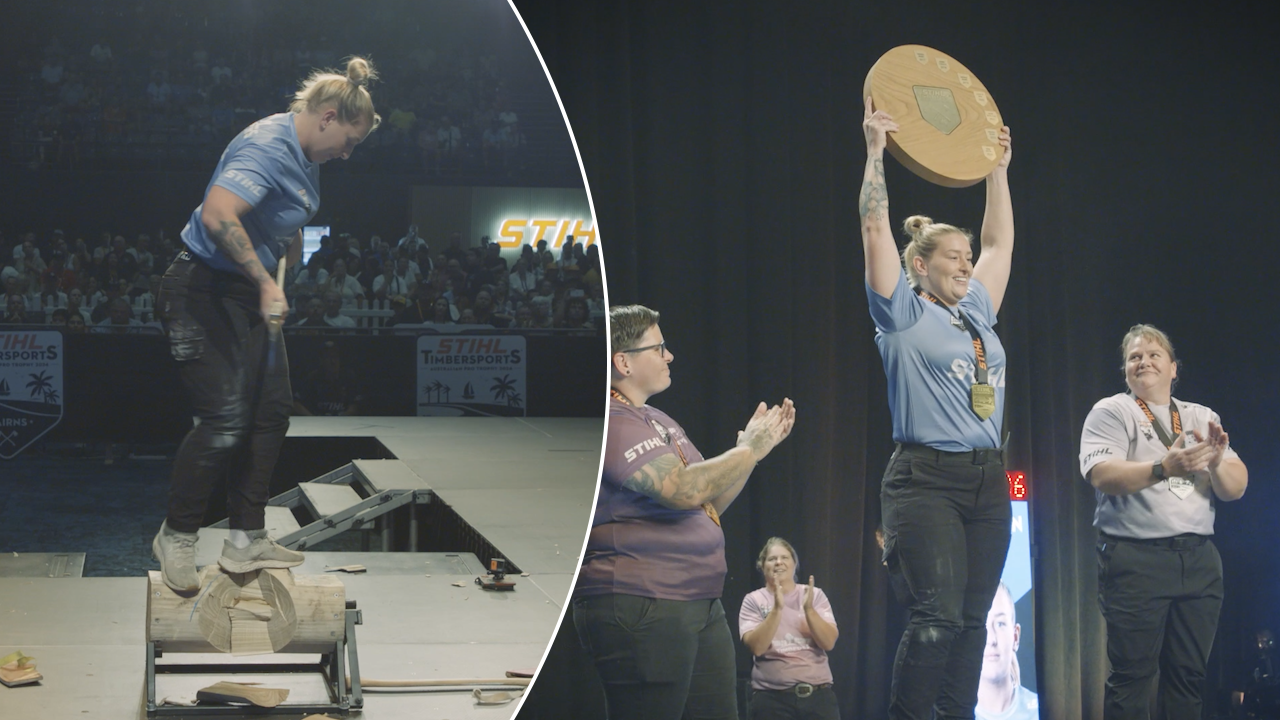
(30, 388)
(472, 375)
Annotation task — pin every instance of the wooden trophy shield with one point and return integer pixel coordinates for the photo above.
(950, 125)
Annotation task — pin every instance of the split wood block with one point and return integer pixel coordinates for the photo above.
(258, 612)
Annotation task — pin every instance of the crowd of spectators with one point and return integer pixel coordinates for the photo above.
(404, 283)
(110, 285)
(118, 90)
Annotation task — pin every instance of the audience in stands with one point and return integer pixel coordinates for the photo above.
(167, 100)
(103, 284)
(333, 317)
(119, 317)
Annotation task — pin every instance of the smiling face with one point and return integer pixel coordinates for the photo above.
(778, 565)
(1149, 369)
(946, 273)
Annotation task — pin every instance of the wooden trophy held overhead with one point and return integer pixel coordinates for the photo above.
(949, 124)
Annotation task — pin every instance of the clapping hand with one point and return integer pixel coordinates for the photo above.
(1218, 442)
(768, 427)
(778, 599)
(1192, 452)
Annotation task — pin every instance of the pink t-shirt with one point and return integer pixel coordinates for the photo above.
(793, 657)
(638, 546)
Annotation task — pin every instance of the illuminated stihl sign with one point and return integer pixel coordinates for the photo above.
(516, 232)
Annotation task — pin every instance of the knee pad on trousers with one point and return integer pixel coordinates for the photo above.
(930, 644)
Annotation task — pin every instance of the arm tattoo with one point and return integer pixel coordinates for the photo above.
(670, 483)
(651, 478)
(232, 240)
(873, 202)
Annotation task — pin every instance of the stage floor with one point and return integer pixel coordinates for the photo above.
(525, 484)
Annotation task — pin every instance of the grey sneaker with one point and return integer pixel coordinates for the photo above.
(176, 552)
(262, 552)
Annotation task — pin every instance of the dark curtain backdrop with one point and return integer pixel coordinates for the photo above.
(724, 153)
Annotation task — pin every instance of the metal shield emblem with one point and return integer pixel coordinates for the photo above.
(938, 107)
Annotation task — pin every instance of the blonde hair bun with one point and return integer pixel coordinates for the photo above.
(360, 72)
(916, 225)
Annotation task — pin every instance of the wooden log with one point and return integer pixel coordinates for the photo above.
(269, 611)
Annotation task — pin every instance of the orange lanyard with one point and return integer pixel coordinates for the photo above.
(964, 323)
(1174, 417)
(662, 431)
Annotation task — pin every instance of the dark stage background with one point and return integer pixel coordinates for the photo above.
(723, 146)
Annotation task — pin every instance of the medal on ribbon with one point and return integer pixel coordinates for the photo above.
(1182, 487)
(982, 398)
(982, 394)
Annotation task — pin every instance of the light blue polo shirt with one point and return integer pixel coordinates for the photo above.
(930, 364)
(264, 165)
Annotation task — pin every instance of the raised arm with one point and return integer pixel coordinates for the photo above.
(726, 498)
(220, 216)
(997, 228)
(717, 480)
(879, 250)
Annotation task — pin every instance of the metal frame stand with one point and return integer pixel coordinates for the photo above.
(334, 666)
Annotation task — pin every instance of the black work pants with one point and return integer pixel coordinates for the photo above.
(239, 392)
(660, 659)
(1161, 600)
(946, 522)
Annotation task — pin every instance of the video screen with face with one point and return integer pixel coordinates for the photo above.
(1007, 690)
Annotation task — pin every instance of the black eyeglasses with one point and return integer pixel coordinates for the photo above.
(661, 348)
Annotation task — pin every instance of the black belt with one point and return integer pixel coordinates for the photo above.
(1185, 541)
(978, 456)
(803, 690)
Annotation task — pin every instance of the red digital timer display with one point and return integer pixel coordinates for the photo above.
(1017, 485)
